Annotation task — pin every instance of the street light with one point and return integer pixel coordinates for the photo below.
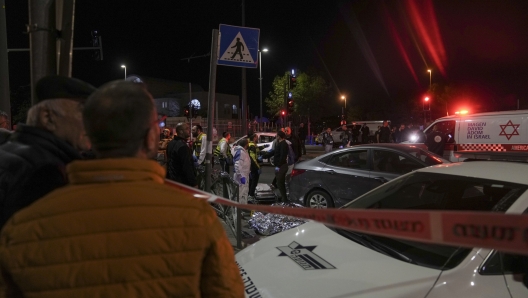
(124, 66)
(343, 111)
(260, 79)
(429, 71)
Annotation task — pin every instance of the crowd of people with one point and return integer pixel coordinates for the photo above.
(107, 225)
(434, 140)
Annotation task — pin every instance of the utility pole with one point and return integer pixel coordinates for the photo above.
(244, 90)
(42, 34)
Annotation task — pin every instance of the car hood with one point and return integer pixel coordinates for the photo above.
(312, 260)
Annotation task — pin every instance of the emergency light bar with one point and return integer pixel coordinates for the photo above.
(492, 155)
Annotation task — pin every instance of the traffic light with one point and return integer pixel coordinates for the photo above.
(186, 111)
(290, 106)
(283, 113)
(293, 82)
(427, 104)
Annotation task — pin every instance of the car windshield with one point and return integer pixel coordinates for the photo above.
(429, 158)
(432, 191)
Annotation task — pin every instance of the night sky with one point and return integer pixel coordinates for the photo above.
(374, 52)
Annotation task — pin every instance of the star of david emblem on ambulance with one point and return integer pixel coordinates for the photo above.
(505, 129)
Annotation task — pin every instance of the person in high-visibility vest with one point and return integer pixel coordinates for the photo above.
(255, 166)
(199, 143)
(223, 152)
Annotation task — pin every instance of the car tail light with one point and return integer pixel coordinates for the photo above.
(296, 172)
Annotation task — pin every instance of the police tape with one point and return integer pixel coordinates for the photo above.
(504, 232)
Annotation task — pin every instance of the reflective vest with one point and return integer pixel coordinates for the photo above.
(197, 145)
(253, 154)
(218, 146)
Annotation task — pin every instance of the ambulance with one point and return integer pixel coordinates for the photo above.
(494, 131)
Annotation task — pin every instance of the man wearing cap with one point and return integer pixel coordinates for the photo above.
(33, 160)
(117, 229)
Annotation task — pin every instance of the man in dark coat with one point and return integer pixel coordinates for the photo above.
(180, 164)
(384, 133)
(34, 158)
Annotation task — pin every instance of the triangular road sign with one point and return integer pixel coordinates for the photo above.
(237, 51)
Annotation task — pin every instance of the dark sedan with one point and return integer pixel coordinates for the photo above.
(338, 177)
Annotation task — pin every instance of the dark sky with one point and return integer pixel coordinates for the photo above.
(375, 52)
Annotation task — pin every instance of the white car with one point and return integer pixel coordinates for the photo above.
(264, 142)
(313, 260)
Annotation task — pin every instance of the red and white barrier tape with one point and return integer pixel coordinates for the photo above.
(504, 232)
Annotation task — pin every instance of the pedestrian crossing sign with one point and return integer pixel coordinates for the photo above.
(238, 46)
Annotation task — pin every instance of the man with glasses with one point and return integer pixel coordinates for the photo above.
(34, 158)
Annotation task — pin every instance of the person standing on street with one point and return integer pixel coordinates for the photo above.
(435, 141)
(281, 164)
(223, 152)
(328, 140)
(355, 135)
(242, 168)
(199, 143)
(295, 143)
(400, 133)
(302, 137)
(385, 133)
(254, 153)
(365, 134)
(34, 158)
(346, 137)
(180, 164)
(117, 229)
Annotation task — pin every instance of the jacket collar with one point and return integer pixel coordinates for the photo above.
(31, 135)
(115, 170)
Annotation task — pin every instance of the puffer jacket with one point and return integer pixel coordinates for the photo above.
(32, 164)
(117, 231)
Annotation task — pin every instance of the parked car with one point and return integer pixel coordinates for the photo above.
(315, 260)
(336, 178)
(265, 140)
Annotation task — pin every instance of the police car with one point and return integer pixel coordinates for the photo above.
(315, 260)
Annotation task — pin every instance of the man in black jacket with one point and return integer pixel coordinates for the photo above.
(281, 164)
(295, 143)
(34, 158)
(180, 164)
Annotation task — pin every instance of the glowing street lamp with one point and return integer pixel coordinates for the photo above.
(343, 121)
(124, 66)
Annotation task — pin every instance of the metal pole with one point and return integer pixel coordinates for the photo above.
(244, 90)
(239, 219)
(260, 79)
(65, 21)
(190, 110)
(125, 72)
(5, 102)
(42, 35)
(210, 111)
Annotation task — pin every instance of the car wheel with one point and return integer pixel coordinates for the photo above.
(319, 199)
(270, 160)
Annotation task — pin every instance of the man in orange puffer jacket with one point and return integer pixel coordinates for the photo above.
(116, 230)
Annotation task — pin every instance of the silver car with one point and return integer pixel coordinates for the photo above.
(338, 177)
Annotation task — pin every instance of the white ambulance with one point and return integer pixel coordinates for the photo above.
(495, 131)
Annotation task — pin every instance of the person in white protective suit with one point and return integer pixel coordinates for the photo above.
(242, 167)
